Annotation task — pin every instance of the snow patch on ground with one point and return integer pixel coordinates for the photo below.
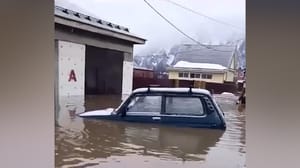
(227, 93)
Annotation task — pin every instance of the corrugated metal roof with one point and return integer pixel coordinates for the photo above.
(199, 54)
(92, 21)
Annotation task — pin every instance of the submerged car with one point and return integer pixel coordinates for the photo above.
(188, 107)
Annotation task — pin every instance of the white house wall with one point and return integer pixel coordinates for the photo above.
(216, 77)
(229, 76)
(232, 64)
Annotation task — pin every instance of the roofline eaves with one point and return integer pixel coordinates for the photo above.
(80, 24)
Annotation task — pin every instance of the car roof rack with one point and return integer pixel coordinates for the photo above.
(152, 85)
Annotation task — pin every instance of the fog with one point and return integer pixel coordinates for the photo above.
(144, 22)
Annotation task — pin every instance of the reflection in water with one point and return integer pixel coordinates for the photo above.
(95, 143)
(67, 108)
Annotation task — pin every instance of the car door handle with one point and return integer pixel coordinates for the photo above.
(156, 118)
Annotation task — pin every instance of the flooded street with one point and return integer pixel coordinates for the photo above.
(94, 143)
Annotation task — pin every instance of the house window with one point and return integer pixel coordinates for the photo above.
(180, 74)
(192, 75)
(206, 76)
(183, 74)
(197, 75)
(184, 106)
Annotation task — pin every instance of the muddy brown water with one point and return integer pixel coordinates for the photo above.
(105, 144)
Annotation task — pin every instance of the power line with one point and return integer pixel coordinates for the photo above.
(203, 15)
(174, 26)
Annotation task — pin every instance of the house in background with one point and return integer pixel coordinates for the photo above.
(213, 69)
(199, 72)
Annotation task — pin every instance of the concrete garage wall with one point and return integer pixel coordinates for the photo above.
(71, 63)
(104, 71)
(127, 82)
(83, 37)
(70, 78)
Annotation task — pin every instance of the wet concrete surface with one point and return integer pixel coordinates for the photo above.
(94, 143)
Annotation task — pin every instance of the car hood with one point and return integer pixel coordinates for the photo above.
(103, 112)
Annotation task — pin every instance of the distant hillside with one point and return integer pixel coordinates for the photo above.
(159, 61)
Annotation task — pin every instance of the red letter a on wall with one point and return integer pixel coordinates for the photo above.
(72, 76)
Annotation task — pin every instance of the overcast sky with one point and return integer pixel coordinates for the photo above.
(143, 21)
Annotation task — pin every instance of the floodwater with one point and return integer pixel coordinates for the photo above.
(111, 144)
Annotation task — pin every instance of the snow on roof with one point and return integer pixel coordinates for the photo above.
(175, 90)
(200, 54)
(185, 64)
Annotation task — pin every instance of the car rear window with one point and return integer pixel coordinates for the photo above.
(184, 105)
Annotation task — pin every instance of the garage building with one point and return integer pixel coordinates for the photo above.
(93, 56)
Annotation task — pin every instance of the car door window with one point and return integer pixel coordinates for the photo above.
(144, 105)
(184, 106)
